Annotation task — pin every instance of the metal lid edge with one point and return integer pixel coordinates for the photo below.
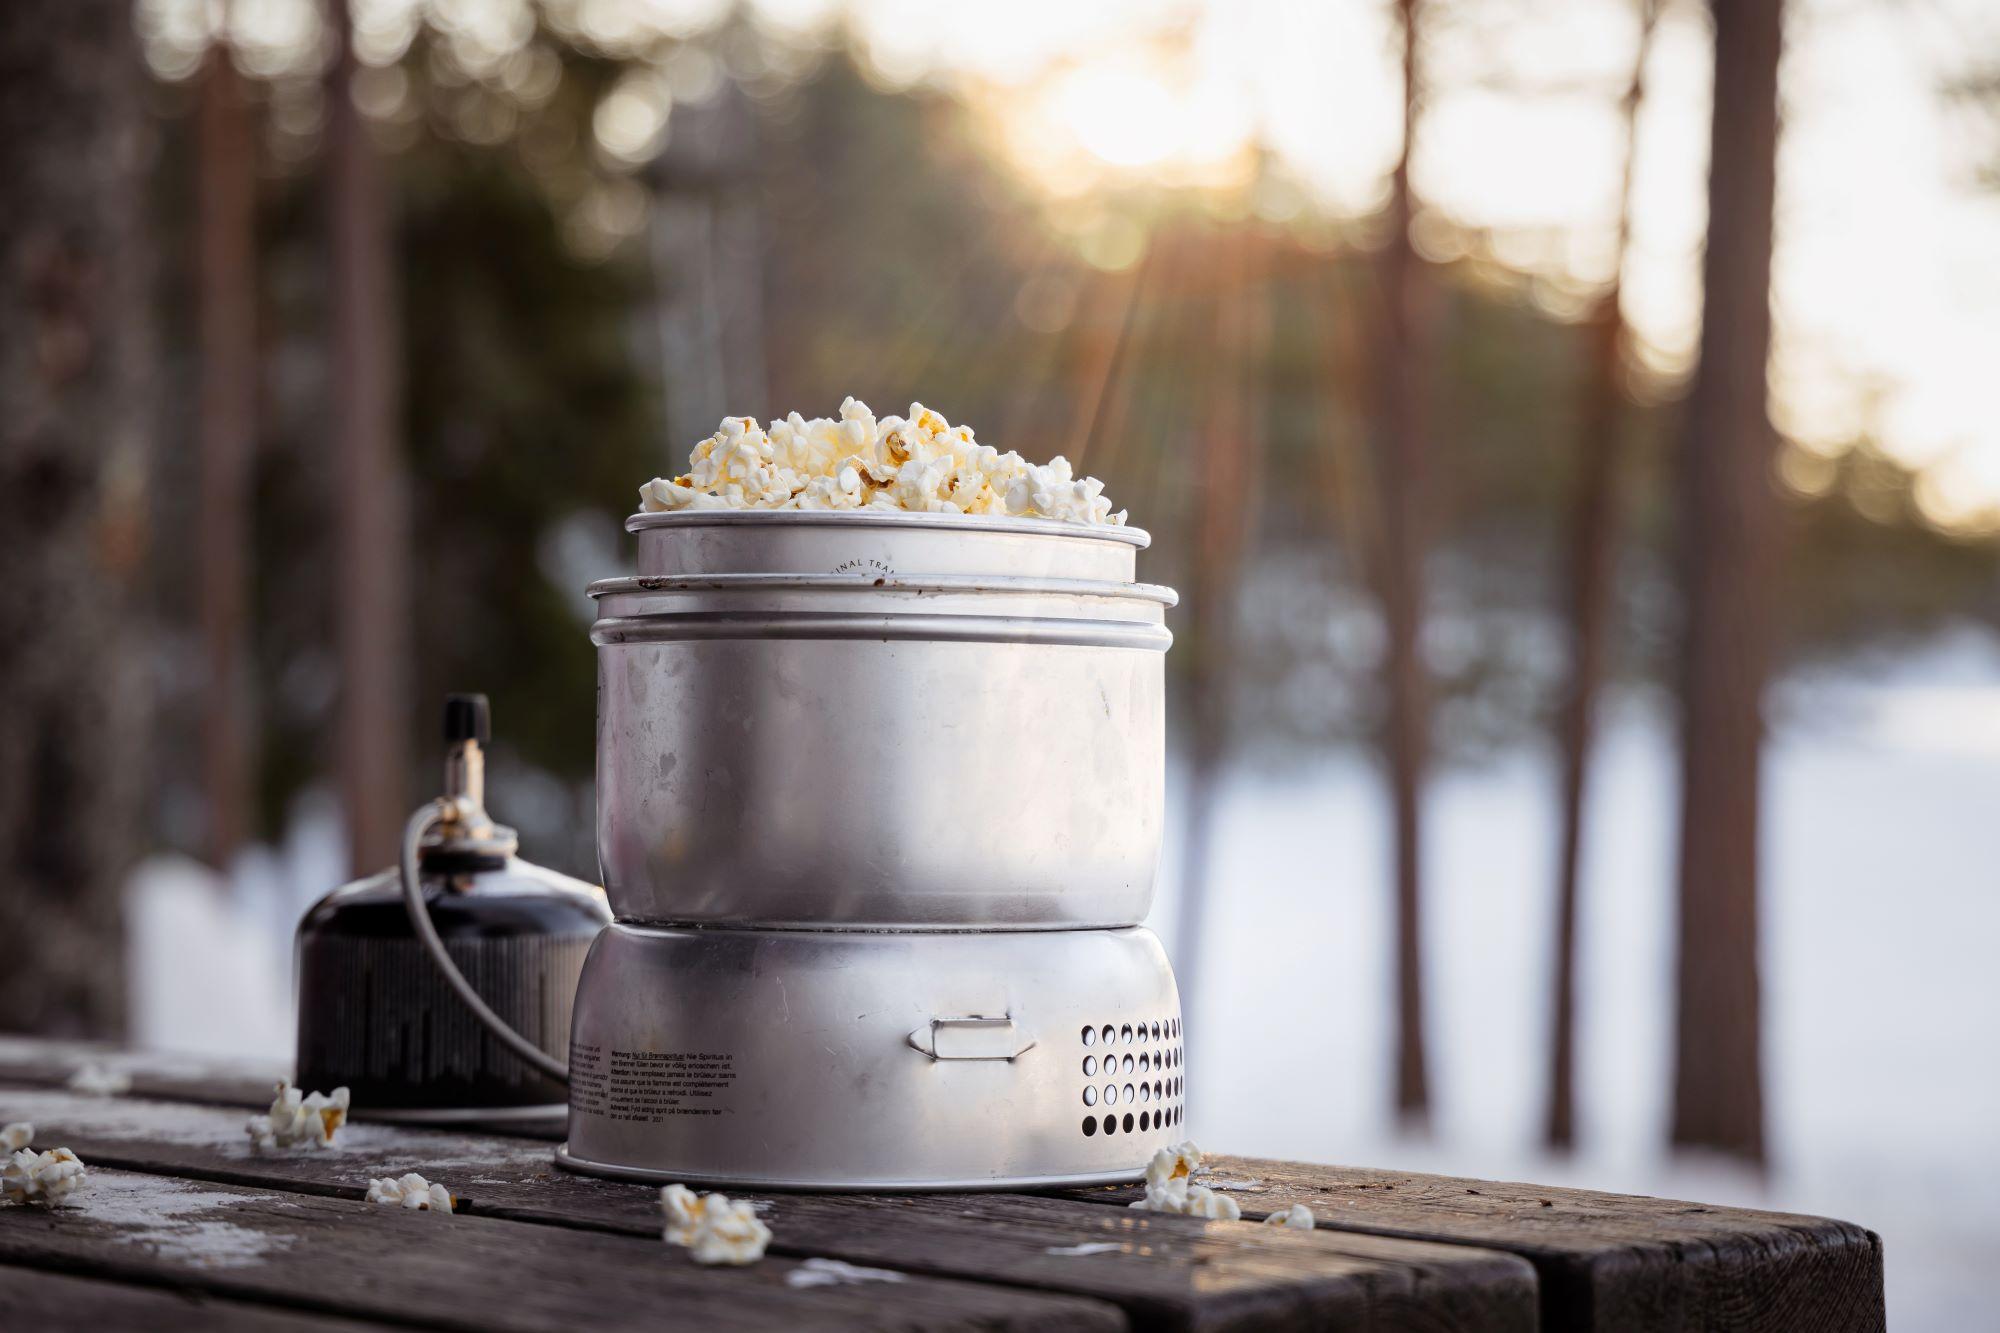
(1137, 538)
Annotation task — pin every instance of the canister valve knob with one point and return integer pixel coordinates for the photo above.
(467, 718)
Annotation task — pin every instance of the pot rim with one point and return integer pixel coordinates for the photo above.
(1137, 538)
(959, 583)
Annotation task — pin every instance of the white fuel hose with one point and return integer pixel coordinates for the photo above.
(420, 917)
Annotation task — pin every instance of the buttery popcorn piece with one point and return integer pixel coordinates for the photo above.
(713, 1228)
(299, 1121)
(47, 1178)
(1298, 1217)
(1205, 1202)
(16, 1136)
(920, 463)
(411, 1191)
(1178, 1162)
(1170, 1187)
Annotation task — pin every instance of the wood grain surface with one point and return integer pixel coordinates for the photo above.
(1392, 1249)
(1605, 1261)
(1163, 1272)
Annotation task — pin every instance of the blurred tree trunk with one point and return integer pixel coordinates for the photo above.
(1592, 555)
(75, 412)
(1730, 523)
(1402, 471)
(706, 243)
(227, 206)
(373, 560)
(1230, 445)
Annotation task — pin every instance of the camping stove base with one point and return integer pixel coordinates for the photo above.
(651, 1176)
(831, 1060)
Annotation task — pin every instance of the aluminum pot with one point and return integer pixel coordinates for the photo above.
(880, 721)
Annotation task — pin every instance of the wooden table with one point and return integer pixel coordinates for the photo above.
(184, 1227)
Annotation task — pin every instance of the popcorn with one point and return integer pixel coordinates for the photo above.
(1175, 1163)
(1170, 1187)
(16, 1136)
(296, 1121)
(411, 1191)
(1298, 1217)
(714, 1228)
(47, 1178)
(920, 463)
(100, 1081)
(1190, 1201)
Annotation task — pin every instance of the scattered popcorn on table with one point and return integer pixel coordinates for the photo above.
(1169, 1187)
(47, 1178)
(712, 1227)
(100, 1081)
(299, 1121)
(411, 1191)
(16, 1136)
(1298, 1217)
(921, 463)
(818, 1272)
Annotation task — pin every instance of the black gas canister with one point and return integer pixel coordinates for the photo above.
(378, 1017)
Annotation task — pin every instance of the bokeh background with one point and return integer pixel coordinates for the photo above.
(1575, 433)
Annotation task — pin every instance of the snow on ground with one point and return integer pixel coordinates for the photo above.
(1882, 1002)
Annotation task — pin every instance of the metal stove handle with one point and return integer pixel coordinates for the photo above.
(971, 1039)
(439, 811)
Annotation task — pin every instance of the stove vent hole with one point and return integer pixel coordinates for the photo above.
(1161, 1060)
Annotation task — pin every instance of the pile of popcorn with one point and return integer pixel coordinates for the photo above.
(714, 1228)
(47, 1178)
(921, 463)
(411, 1191)
(296, 1120)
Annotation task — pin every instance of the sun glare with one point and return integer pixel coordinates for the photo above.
(1128, 118)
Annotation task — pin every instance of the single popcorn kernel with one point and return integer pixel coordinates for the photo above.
(1174, 1163)
(1298, 1217)
(45, 1178)
(919, 464)
(713, 1228)
(411, 1191)
(299, 1121)
(16, 1136)
(1170, 1187)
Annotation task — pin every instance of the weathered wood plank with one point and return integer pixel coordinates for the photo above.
(204, 1079)
(32, 1299)
(1165, 1272)
(337, 1256)
(1605, 1261)
(188, 1078)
